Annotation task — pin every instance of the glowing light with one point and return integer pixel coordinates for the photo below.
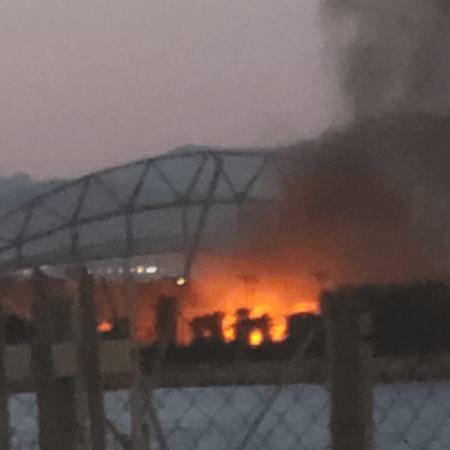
(278, 332)
(181, 281)
(272, 296)
(152, 269)
(228, 327)
(140, 269)
(104, 327)
(306, 307)
(228, 334)
(255, 338)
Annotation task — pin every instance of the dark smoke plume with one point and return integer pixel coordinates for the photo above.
(355, 207)
(395, 54)
(343, 200)
(371, 202)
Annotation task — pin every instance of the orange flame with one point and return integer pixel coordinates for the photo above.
(225, 285)
(228, 329)
(105, 327)
(229, 284)
(255, 338)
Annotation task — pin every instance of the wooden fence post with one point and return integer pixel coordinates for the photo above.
(4, 409)
(139, 396)
(89, 393)
(54, 396)
(347, 323)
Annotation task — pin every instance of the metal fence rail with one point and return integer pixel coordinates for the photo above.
(353, 397)
(205, 418)
(407, 416)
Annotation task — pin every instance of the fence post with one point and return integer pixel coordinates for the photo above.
(54, 396)
(90, 397)
(139, 395)
(347, 323)
(4, 395)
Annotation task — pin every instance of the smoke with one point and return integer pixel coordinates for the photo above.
(392, 55)
(355, 208)
(342, 206)
(371, 202)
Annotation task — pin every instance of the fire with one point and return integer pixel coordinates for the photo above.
(278, 332)
(216, 298)
(255, 338)
(104, 327)
(229, 300)
(269, 296)
(228, 327)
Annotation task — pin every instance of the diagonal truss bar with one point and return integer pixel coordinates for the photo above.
(203, 216)
(131, 204)
(110, 192)
(163, 177)
(227, 179)
(26, 234)
(196, 177)
(257, 174)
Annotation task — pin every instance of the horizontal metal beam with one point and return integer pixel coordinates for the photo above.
(116, 371)
(39, 219)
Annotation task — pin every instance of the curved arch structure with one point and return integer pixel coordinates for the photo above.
(156, 205)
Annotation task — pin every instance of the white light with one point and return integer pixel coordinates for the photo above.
(151, 269)
(181, 281)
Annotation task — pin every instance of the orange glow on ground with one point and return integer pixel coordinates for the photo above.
(104, 327)
(255, 338)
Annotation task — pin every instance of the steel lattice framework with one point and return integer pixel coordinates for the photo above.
(154, 205)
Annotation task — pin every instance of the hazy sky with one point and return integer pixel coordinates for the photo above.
(90, 84)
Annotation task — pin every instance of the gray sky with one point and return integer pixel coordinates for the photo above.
(90, 84)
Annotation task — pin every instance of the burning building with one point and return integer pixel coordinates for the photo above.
(263, 233)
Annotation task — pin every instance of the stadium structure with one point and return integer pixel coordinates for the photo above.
(176, 203)
(155, 217)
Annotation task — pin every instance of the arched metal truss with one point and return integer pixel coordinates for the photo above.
(155, 205)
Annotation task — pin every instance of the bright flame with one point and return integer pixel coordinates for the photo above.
(227, 285)
(306, 307)
(278, 331)
(228, 325)
(104, 327)
(140, 269)
(255, 338)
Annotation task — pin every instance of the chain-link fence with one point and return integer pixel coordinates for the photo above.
(362, 391)
(412, 416)
(23, 421)
(205, 418)
(227, 417)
